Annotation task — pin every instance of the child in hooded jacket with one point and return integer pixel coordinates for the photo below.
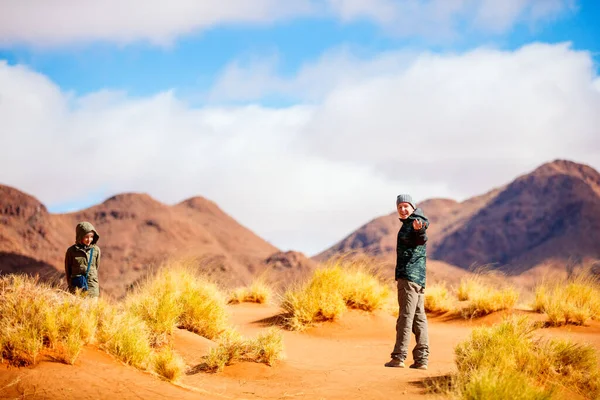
(78, 256)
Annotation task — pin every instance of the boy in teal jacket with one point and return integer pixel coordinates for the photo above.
(411, 252)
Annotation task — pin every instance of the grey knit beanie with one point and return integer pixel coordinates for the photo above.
(405, 198)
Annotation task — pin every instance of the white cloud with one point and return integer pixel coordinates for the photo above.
(60, 22)
(306, 175)
(52, 22)
(448, 18)
(499, 16)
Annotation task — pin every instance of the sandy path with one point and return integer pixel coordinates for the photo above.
(334, 361)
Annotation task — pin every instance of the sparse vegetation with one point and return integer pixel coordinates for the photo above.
(506, 361)
(484, 298)
(258, 292)
(177, 296)
(437, 299)
(168, 364)
(572, 301)
(37, 320)
(330, 291)
(266, 348)
(126, 336)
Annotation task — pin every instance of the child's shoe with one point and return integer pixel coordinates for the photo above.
(395, 363)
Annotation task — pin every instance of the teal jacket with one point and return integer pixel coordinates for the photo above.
(411, 250)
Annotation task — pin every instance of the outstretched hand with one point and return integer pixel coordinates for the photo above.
(418, 224)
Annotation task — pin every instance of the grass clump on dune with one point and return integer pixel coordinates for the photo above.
(484, 298)
(126, 336)
(178, 297)
(330, 291)
(258, 292)
(168, 364)
(266, 348)
(506, 362)
(437, 299)
(36, 319)
(572, 301)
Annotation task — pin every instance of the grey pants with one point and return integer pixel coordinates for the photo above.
(411, 318)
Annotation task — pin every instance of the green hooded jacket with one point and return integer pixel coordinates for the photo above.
(77, 257)
(411, 250)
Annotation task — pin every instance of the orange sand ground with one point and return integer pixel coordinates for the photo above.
(341, 360)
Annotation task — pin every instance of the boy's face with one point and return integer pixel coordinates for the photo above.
(87, 239)
(404, 210)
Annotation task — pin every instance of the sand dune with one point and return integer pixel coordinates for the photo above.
(339, 360)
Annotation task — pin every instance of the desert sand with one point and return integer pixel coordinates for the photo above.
(339, 360)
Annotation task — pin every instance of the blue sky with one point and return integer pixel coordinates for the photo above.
(193, 61)
(199, 88)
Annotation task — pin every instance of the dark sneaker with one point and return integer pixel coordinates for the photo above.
(395, 363)
(418, 366)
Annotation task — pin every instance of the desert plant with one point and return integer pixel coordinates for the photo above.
(126, 336)
(506, 361)
(157, 302)
(330, 291)
(572, 301)
(168, 364)
(266, 348)
(36, 318)
(437, 298)
(488, 384)
(177, 296)
(484, 298)
(204, 309)
(258, 292)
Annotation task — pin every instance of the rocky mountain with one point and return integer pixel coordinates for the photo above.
(551, 214)
(137, 232)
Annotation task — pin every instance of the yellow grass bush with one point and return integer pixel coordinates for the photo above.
(488, 384)
(204, 309)
(266, 348)
(469, 287)
(437, 298)
(330, 291)
(572, 301)
(126, 336)
(168, 364)
(158, 304)
(505, 361)
(484, 298)
(258, 292)
(230, 346)
(177, 296)
(36, 319)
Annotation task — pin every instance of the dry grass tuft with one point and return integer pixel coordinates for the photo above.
(37, 319)
(330, 291)
(177, 296)
(483, 297)
(572, 301)
(258, 292)
(266, 348)
(437, 299)
(506, 362)
(168, 364)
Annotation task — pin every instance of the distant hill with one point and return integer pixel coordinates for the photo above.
(549, 215)
(136, 233)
